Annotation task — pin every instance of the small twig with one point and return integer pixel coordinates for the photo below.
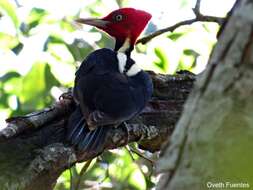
(196, 9)
(83, 170)
(71, 179)
(132, 157)
(146, 39)
(17, 3)
(140, 155)
(107, 174)
(129, 152)
(198, 18)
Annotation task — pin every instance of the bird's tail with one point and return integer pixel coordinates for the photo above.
(79, 135)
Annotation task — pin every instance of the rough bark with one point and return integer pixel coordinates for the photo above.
(33, 151)
(212, 142)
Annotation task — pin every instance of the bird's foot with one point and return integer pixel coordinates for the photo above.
(93, 119)
(67, 95)
(98, 118)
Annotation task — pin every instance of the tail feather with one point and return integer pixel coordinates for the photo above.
(75, 131)
(95, 140)
(85, 141)
(99, 142)
(79, 135)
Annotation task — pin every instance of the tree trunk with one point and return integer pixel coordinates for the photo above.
(211, 146)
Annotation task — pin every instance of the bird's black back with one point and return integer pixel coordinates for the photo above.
(100, 86)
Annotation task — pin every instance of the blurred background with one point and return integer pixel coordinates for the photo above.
(41, 47)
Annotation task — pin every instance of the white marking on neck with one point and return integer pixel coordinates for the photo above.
(125, 46)
(134, 69)
(122, 59)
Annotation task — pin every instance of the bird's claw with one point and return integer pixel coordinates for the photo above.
(66, 95)
(94, 119)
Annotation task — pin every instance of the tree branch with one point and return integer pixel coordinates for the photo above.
(198, 18)
(35, 144)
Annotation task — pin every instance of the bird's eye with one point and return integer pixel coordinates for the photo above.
(118, 17)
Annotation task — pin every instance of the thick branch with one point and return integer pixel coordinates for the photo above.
(36, 144)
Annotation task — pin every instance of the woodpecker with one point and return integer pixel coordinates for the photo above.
(109, 86)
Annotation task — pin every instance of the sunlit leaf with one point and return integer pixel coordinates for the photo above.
(35, 87)
(91, 8)
(105, 41)
(8, 41)
(3, 99)
(7, 7)
(50, 79)
(162, 61)
(185, 63)
(17, 48)
(66, 25)
(9, 84)
(190, 52)
(60, 52)
(63, 182)
(12, 85)
(137, 179)
(79, 49)
(188, 59)
(35, 17)
(8, 76)
(51, 39)
(175, 36)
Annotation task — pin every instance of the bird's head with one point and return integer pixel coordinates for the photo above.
(122, 24)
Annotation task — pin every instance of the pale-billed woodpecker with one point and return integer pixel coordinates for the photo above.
(109, 86)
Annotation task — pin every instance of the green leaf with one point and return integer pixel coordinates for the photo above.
(79, 49)
(8, 87)
(175, 36)
(66, 25)
(18, 48)
(8, 41)
(61, 52)
(51, 39)
(188, 59)
(35, 17)
(8, 76)
(10, 11)
(191, 52)
(137, 179)
(3, 99)
(162, 61)
(35, 92)
(50, 79)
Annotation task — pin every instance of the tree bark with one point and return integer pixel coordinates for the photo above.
(212, 142)
(33, 151)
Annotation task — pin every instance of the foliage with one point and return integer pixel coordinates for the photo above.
(40, 50)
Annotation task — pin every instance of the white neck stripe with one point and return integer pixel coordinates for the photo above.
(134, 69)
(122, 59)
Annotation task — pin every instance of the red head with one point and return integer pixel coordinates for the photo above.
(122, 23)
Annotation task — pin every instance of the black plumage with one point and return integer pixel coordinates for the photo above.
(105, 97)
